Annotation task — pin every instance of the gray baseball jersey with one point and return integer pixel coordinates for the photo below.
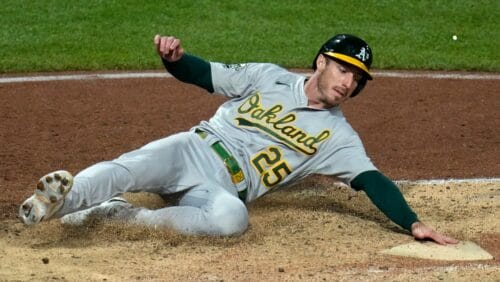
(274, 135)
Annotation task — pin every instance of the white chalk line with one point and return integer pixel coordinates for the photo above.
(163, 74)
(492, 180)
(438, 75)
(95, 76)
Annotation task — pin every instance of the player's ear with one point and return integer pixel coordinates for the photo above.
(320, 62)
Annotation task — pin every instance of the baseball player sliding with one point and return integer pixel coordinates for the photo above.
(275, 128)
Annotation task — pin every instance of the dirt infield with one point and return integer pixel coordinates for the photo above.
(416, 128)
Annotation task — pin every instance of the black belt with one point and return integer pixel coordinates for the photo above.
(230, 162)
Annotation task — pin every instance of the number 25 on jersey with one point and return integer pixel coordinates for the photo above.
(271, 167)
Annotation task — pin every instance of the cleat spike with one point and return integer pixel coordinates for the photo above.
(64, 181)
(40, 186)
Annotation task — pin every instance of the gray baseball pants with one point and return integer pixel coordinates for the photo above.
(179, 164)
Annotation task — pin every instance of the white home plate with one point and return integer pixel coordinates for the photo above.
(465, 250)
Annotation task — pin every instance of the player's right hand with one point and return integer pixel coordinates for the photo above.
(168, 47)
(421, 231)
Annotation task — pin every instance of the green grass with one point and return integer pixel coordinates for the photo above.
(58, 35)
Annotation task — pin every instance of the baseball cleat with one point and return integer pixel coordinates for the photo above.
(48, 197)
(116, 207)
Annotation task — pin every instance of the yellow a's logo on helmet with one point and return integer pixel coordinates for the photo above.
(363, 55)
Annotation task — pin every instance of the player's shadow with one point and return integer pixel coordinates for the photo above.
(325, 197)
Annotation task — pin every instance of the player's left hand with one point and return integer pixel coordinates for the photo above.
(168, 47)
(422, 232)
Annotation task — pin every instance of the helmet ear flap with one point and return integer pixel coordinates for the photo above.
(361, 85)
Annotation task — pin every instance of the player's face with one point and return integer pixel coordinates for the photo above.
(336, 82)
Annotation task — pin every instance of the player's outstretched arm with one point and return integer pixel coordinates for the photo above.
(388, 198)
(421, 231)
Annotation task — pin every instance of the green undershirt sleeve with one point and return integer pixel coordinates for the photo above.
(386, 196)
(193, 70)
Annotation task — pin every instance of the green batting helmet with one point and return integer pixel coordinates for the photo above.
(352, 50)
